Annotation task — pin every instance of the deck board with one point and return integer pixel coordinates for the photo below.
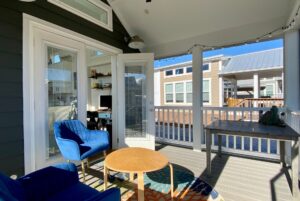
(235, 178)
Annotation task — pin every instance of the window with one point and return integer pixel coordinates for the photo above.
(169, 93)
(179, 92)
(179, 71)
(268, 91)
(189, 69)
(93, 10)
(183, 92)
(168, 72)
(205, 67)
(189, 92)
(206, 91)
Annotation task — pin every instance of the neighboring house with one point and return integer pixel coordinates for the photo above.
(254, 75)
(174, 83)
(236, 75)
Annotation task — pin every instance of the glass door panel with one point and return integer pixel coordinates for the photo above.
(135, 101)
(61, 81)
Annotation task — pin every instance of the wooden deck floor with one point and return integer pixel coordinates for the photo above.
(235, 178)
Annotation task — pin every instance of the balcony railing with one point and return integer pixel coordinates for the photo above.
(255, 102)
(174, 125)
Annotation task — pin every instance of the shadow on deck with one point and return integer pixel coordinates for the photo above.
(235, 178)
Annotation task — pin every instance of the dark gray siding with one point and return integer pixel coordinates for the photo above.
(11, 98)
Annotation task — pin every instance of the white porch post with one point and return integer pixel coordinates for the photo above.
(282, 84)
(235, 88)
(221, 91)
(291, 89)
(291, 71)
(256, 86)
(197, 97)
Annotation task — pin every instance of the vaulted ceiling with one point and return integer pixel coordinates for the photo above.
(171, 27)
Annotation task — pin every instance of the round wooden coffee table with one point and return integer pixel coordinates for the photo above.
(139, 161)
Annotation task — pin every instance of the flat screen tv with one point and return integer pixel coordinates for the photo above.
(106, 101)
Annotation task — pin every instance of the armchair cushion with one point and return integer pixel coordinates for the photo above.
(76, 142)
(11, 189)
(43, 183)
(74, 192)
(97, 141)
(54, 184)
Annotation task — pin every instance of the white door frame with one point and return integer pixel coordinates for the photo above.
(30, 25)
(42, 40)
(147, 60)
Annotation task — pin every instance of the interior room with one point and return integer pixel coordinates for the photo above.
(99, 90)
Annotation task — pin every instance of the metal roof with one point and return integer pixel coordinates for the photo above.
(257, 61)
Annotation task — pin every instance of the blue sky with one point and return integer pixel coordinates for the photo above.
(230, 51)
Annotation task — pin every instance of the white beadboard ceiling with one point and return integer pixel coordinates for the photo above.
(170, 27)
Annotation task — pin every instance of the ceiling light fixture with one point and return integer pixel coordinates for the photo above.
(27, 0)
(136, 42)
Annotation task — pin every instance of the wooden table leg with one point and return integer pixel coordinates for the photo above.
(141, 186)
(87, 163)
(282, 153)
(131, 176)
(219, 145)
(295, 166)
(208, 150)
(172, 180)
(105, 177)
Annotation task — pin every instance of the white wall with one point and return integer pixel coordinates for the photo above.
(157, 88)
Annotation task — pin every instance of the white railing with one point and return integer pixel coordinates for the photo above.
(255, 102)
(174, 125)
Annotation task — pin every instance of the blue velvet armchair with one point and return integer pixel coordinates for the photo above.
(76, 142)
(55, 183)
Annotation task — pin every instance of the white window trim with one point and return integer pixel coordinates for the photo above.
(176, 75)
(185, 70)
(167, 76)
(184, 92)
(174, 93)
(186, 73)
(97, 3)
(210, 91)
(165, 94)
(209, 68)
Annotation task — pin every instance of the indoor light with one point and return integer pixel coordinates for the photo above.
(136, 42)
(27, 0)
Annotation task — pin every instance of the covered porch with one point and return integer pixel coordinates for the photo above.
(250, 168)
